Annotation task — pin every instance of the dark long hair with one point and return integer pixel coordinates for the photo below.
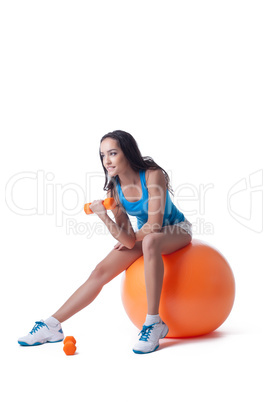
(131, 151)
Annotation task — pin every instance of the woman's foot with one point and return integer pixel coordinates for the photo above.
(42, 332)
(150, 335)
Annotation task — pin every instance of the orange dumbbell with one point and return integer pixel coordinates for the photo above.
(69, 345)
(109, 203)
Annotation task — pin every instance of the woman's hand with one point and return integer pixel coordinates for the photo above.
(119, 246)
(98, 208)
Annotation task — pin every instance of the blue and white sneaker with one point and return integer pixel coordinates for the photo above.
(41, 333)
(150, 335)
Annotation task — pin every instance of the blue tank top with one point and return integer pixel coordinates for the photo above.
(140, 208)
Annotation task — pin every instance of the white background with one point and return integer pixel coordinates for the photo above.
(189, 81)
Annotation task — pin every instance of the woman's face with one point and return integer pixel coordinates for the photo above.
(113, 158)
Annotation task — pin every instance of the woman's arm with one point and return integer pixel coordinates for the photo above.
(122, 229)
(125, 237)
(156, 204)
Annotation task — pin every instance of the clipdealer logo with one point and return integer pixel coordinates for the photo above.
(49, 198)
(245, 201)
(45, 197)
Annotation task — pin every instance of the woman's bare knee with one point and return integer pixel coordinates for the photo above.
(150, 242)
(115, 263)
(100, 274)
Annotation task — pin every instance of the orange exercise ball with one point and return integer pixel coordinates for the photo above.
(197, 294)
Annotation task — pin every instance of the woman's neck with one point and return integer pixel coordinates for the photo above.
(129, 177)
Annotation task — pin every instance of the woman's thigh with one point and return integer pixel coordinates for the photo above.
(117, 261)
(169, 239)
(174, 238)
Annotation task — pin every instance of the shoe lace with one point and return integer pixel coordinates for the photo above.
(146, 332)
(37, 326)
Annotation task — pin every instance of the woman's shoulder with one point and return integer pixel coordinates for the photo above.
(155, 176)
(154, 173)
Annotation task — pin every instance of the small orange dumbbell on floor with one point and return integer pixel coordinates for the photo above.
(109, 203)
(69, 345)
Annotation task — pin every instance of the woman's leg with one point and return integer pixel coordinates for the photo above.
(111, 266)
(170, 239)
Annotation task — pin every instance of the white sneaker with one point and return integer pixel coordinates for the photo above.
(42, 333)
(150, 335)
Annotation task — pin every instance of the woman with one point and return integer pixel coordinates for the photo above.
(140, 188)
